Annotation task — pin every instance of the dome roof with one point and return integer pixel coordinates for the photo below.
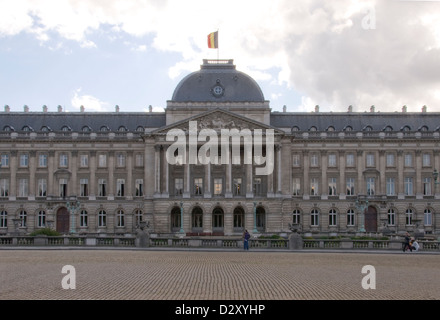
(218, 81)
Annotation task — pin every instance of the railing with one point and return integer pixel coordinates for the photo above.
(200, 242)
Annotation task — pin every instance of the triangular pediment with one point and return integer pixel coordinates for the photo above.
(217, 120)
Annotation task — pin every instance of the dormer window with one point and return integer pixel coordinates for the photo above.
(368, 128)
(348, 128)
(140, 129)
(331, 128)
(45, 129)
(423, 128)
(104, 129)
(406, 128)
(295, 128)
(8, 128)
(26, 129)
(388, 128)
(86, 129)
(313, 128)
(66, 128)
(122, 129)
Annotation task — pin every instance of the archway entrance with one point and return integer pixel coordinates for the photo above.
(63, 220)
(371, 219)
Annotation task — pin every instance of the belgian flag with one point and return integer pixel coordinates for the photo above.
(213, 40)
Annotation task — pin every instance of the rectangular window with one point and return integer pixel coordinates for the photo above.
(427, 187)
(42, 187)
(296, 160)
(332, 182)
(23, 187)
(370, 160)
(4, 187)
(296, 186)
(314, 186)
(139, 160)
(120, 187)
(63, 188)
(84, 187)
(314, 218)
(41, 218)
(102, 160)
(83, 221)
(332, 218)
(314, 160)
(349, 160)
(237, 183)
(390, 160)
(258, 191)
(409, 191)
(391, 217)
(198, 186)
(371, 183)
(350, 187)
(350, 218)
(332, 160)
(5, 160)
(24, 160)
(102, 187)
(426, 160)
(84, 161)
(408, 160)
(178, 186)
(63, 160)
(139, 186)
(391, 186)
(120, 160)
(42, 160)
(218, 186)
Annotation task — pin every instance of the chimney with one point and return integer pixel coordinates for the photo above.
(44, 108)
(26, 108)
(350, 108)
(424, 109)
(116, 108)
(284, 108)
(372, 108)
(316, 108)
(60, 108)
(150, 108)
(7, 108)
(81, 109)
(404, 108)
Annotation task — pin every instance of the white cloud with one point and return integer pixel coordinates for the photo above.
(89, 102)
(317, 47)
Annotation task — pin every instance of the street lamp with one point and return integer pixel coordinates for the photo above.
(181, 218)
(435, 175)
(255, 218)
(361, 205)
(72, 207)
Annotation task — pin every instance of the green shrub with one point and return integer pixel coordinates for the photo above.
(45, 231)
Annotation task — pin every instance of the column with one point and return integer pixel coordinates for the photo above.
(228, 193)
(13, 184)
(360, 167)
(74, 183)
(51, 190)
(166, 176)
(129, 184)
(400, 180)
(249, 181)
(342, 182)
(111, 176)
(32, 168)
(157, 169)
(270, 176)
(286, 167)
(306, 177)
(149, 168)
(92, 181)
(382, 187)
(186, 177)
(436, 166)
(207, 182)
(278, 151)
(418, 185)
(324, 182)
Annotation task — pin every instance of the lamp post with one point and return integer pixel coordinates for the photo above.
(72, 207)
(435, 175)
(181, 218)
(255, 218)
(361, 205)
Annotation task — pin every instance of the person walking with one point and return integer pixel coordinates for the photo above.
(406, 244)
(246, 237)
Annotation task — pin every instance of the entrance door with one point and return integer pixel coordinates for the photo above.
(63, 218)
(371, 219)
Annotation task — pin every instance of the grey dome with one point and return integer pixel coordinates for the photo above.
(218, 81)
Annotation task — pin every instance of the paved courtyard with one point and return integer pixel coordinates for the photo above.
(216, 275)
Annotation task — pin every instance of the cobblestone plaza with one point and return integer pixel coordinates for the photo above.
(128, 274)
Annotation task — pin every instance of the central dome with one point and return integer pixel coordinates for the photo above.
(218, 81)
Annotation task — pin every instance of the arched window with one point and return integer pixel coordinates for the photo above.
(391, 217)
(23, 218)
(423, 128)
(368, 128)
(350, 218)
(83, 218)
(217, 218)
(296, 216)
(3, 219)
(8, 128)
(409, 215)
(45, 129)
(314, 218)
(238, 219)
(295, 128)
(120, 218)
(261, 219)
(427, 218)
(332, 218)
(104, 129)
(331, 128)
(406, 128)
(175, 219)
(140, 129)
(41, 218)
(138, 216)
(388, 128)
(197, 219)
(313, 128)
(122, 129)
(86, 129)
(348, 128)
(27, 129)
(66, 128)
(102, 218)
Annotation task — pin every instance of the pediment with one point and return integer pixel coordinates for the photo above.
(217, 120)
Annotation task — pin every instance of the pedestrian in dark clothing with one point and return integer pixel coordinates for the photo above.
(406, 244)
(246, 237)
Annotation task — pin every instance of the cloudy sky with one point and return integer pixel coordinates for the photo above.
(133, 53)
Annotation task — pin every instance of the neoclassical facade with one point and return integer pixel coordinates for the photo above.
(333, 173)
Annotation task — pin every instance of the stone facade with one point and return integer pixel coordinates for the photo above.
(101, 173)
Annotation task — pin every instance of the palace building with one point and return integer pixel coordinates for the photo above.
(333, 173)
